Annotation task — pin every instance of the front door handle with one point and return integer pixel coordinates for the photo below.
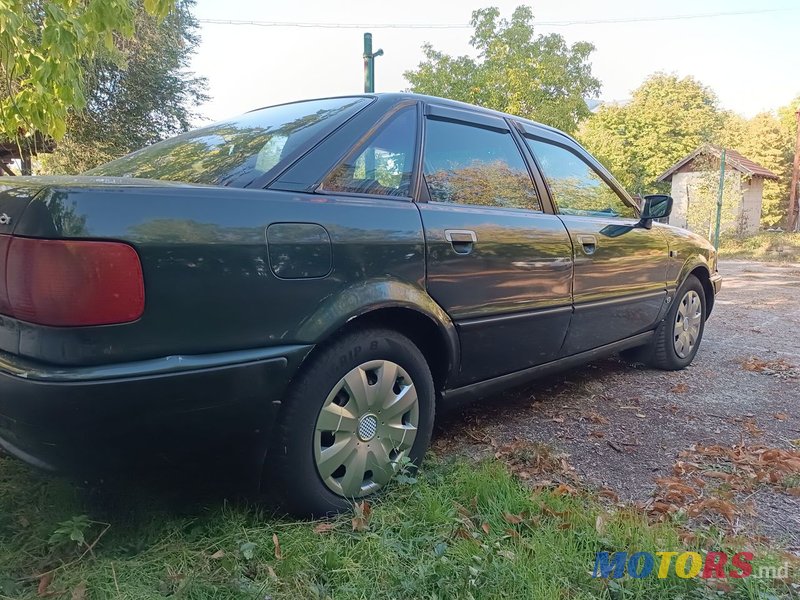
(462, 240)
(589, 243)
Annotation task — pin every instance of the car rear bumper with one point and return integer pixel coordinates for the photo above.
(86, 420)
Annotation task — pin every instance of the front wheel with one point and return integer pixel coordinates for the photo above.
(361, 409)
(678, 337)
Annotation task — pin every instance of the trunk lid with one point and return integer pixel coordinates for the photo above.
(15, 195)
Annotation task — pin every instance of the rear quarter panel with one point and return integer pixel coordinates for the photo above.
(209, 282)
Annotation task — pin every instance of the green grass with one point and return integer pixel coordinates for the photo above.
(424, 540)
(763, 246)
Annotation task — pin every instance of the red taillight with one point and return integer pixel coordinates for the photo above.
(5, 306)
(69, 283)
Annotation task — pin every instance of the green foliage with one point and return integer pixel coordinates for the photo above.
(667, 118)
(464, 530)
(768, 139)
(540, 77)
(71, 530)
(44, 46)
(702, 194)
(140, 95)
(771, 246)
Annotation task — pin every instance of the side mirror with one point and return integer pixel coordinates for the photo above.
(656, 206)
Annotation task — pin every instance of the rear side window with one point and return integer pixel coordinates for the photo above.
(238, 151)
(576, 187)
(384, 164)
(466, 164)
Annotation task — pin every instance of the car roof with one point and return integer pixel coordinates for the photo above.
(399, 96)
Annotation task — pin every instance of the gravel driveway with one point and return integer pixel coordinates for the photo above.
(624, 426)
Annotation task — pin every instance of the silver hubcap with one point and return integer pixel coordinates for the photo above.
(366, 426)
(687, 323)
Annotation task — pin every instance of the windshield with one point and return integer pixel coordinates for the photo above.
(238, 151)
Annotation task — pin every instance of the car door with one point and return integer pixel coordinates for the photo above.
(496, 261)
(619, 285)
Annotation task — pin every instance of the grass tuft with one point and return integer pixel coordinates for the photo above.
(461, 531)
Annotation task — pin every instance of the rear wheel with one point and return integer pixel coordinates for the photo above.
(361, 409)
(678, 337)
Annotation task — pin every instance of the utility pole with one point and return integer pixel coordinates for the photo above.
(719, 197)
(369, 64)
(792, 213)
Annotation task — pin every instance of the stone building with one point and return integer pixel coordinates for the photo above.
(744, 187)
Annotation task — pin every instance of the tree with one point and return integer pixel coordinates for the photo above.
(767, 141)
(667, 118)
(540, 77)
(44, 46)
(147, 96)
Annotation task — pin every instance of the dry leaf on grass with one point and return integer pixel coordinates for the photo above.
(79, 592)
(217, 555)
(600, 523)
(512, 519)
(565, 490)
(42, 590)
(361, 518)
(278, 551)
(609, 494)
(324, 528)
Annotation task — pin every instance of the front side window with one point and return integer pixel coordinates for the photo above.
(238, 151)
(576, 187)
(466, 164)
(384, 164)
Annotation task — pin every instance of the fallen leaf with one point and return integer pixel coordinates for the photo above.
(512, 519)
(362, 512)
(781, 416)
(321, 528)
(600, 524)
(271, 573)
(597, 418)
(609, 494)
(44, 583)
(278, 552)
(507, 554)
(681, 388)
(217, 555)
(641, 416)
(79, 593)
(795, 491)
(564, 489)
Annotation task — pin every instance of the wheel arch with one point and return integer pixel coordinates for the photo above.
(395, 305)
(698, 266)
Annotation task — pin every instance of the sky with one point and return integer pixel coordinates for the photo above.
(751, 61)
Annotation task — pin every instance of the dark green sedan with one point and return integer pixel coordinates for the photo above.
(301, 287)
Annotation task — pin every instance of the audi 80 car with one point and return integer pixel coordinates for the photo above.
(303, 285)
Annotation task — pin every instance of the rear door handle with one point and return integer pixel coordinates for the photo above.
(462, 240)
(589, 243)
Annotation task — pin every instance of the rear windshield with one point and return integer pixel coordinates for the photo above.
(238, 151)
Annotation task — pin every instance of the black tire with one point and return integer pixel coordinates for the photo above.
(661, 353)
(291, 479)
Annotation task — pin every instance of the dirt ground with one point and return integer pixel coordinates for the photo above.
(623, 426)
